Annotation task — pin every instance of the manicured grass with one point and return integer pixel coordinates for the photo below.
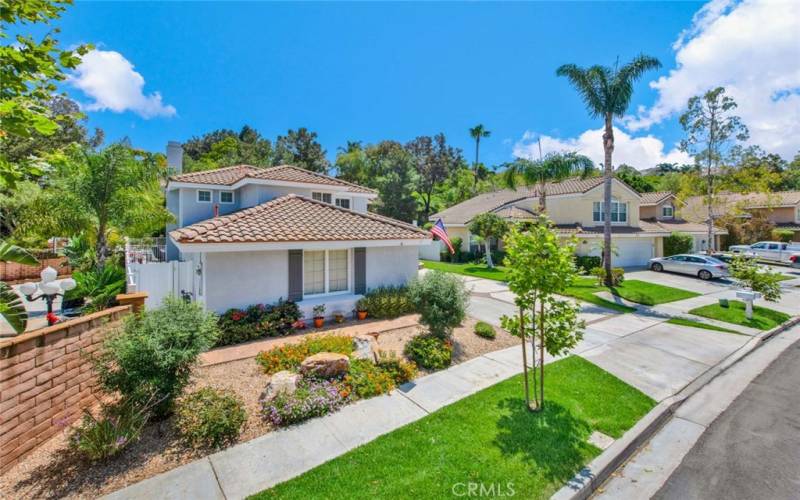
(498, 273)
(697, 324)
(585, 289)
(763, 318)
(650, 294)
(488, 438)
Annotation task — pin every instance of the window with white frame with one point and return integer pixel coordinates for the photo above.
(619, 211)
(343, 203)
(667, 211)
(326, 271)
(323, 197)
(203, 196)
(226, 196)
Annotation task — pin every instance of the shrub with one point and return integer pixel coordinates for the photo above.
(289, 357)
(366, 379)
(257, 321)
(399, 369)
(784, 235)
(617, 275)
(430, 351)
(209, 417)
(99, 287)
(588, 262)
(102, 438)
(441, 300)
(386, 302)
(678, 242)
(154, 353)
(312, 398)
(485, 330)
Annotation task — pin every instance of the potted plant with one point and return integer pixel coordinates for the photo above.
(361, 309)
(338, 317)
(319, 315)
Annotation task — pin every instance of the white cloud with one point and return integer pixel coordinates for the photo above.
(108, 78)
(639, 152)
(752, 49)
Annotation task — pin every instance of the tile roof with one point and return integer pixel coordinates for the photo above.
(515, 213)
(654, 198)
(294, 218)
(681, 225)
(646, 226)
(487, 202)
(287, 173)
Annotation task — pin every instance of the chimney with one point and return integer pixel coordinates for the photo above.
(174, 157)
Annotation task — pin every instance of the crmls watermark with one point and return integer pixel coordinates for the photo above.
(484, 490)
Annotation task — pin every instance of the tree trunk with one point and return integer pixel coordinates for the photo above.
(710, 191)
(101, 247)
(608, 173)
(533, 357)
(524, 357)
(487, 245)
(541, 354)
(542, 197)
(475, 169)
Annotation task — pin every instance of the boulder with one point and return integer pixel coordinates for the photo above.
(365, 347)
(325, 365)
(283, 381)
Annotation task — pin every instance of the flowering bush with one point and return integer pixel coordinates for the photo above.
(367, 380)
(399, 369)
(430, 351)
(104, 437)
(289, 357)
(312, 398)
(209, 417)
(258, 320)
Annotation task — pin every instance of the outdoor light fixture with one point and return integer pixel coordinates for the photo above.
(48, 290)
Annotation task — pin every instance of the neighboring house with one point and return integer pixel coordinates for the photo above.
(253, 235)
(781, 208)
(639, 222)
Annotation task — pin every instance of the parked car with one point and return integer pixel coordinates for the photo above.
(775, 251)
(703, 266)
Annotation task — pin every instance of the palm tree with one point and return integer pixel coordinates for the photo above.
(477, 132)
(554, 167)
(607, 93)
(12, 309)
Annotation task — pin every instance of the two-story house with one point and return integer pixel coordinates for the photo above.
(257, 235)
(638, 222)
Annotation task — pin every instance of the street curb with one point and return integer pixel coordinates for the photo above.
(591, 477)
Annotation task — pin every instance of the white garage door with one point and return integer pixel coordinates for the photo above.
(633, 251)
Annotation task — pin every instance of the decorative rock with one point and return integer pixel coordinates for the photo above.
(364, 348)
(283, 381)
(325, 365)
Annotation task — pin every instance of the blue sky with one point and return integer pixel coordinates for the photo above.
(367, 71)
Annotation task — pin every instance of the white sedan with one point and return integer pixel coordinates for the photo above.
(702, 266)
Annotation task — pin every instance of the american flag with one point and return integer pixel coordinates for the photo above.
(439, 230)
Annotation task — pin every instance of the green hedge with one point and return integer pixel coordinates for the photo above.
(677, 243)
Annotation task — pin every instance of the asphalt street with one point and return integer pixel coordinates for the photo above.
(752, 450)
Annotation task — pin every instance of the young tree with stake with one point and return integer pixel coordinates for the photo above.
(488, 225)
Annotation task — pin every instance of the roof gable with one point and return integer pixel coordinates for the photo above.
(650, 199)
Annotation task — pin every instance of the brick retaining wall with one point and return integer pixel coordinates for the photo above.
(46, 382)
(14, 272)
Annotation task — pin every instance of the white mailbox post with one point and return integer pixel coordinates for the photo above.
(748, 296)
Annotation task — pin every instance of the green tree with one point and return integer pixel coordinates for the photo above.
(12, 309)
(488, 226)
(540, 267)
(607, 93)
(554, 167)
(634, 179)
(434, 162)
(352, 165)
(301, 149)
(391, 171)
(224, 147)
(677, 242)
(750, 274)
(441, 300)
(710, 126)
(29, 73)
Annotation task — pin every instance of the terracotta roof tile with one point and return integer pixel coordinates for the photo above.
(287, 173)
(654, 198)
(294, 218)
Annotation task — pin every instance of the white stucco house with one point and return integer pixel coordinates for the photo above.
(247, 235)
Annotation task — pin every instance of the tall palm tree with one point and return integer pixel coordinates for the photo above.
(554, 167)
(477, 132)
(11, 306)
(607, 92)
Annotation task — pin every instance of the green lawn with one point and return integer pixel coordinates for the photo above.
(498, 273)
(763, 318)
(487, 438)
(698, 324)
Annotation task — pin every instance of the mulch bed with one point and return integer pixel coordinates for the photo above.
(52, 471)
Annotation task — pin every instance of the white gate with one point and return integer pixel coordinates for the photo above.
(161, 279)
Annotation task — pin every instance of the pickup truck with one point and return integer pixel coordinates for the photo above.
(775, 251)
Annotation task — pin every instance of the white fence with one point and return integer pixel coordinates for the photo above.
(432, 251)
(161, 279)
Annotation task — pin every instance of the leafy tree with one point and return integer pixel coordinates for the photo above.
(224, 147)
(634, 179)
(540, 266)
(391, 169)
(441, 300)
(29, 74)
(710, 127)
(301, 149)
(554, 167)
(12, 309)
(677, 242)
(750, 274)
(488, 226)
(352, 165)
(607, 93)
(434, 162)
(478, 132)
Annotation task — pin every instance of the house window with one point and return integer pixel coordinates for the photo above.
(619, 211)
(323, 197)
(203, 196)
(667, 211)
(226, 196)
(343, 203)
(326, 271)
